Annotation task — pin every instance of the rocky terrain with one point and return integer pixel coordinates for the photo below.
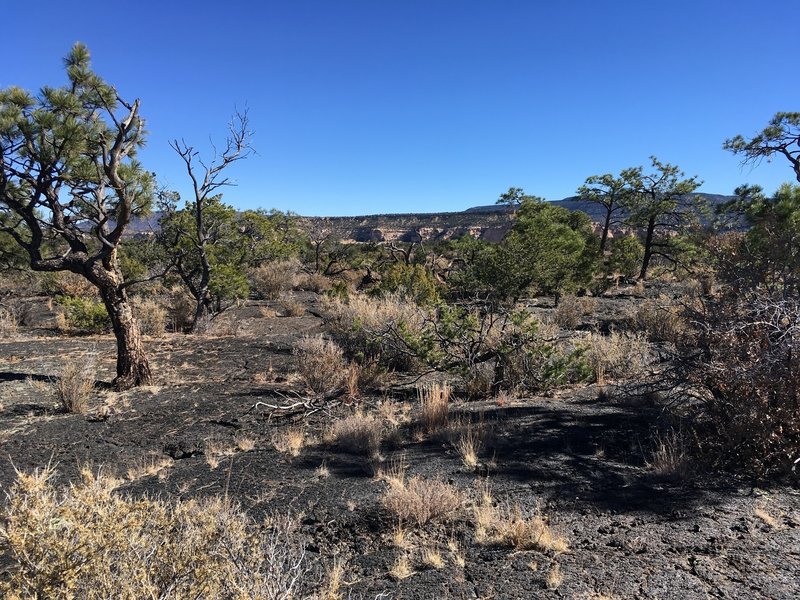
(579, 458)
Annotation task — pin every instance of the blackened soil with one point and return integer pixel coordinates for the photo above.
(580, 461)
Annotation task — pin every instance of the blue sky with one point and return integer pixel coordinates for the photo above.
(374, 106)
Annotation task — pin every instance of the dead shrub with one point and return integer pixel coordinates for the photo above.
(75, 385)
(617, 355)
(320, 364)
(670, 455)
(660, 319)
(290, 307)
(421, 501)
(89, 542)
(368, 328)
(151, 316)
(182, 308)
(434, 405)
(743, 363)
(313, 282)
(64, 283)
(571, 310)
(359, 433)
(8, 323)
(272, 279)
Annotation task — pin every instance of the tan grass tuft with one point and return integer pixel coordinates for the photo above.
(401, 569)
(420, 501)
(434, 401)
(290, 440)
(359, 433)
(75, 386)
(245, 444)
(554, 577)
(431, 557)
(320, 364)
(509, 527)
(469, 444)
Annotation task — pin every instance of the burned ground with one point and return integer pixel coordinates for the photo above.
(580, 457)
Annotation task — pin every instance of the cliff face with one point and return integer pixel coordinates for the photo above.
(490, 226)
(489, 223)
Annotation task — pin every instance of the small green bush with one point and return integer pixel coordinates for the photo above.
(84, 314)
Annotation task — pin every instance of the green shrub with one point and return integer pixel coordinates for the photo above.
(410, 281)
(84, 314)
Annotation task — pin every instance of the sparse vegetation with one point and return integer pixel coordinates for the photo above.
(320, 364)
(434, 404)
(75, 386)
(420, 501)
(612, 372)
(91, 542)
(617, 355)
(359, 433)
(506, 525)
(290, 440)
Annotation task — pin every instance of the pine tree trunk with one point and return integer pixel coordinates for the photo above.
(648, 248)
(133, 369)
(604, 236)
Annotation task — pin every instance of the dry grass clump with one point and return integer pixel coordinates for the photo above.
(670, 456)
(291, 308)
(359, 433)
(148, 467)
(420, 501)
(469, 443)
(367, 327)
(434, 404)
(290, 440)
(8, 323)
(431, 557)
(320, 364)
(151, 316)
(509, 527)
(181, 308)
(334, 577)
(272, 279)
(401, 568)
(617, 355)
(90, 542)
(75, 386)
(554, 577)
(660, 319)
(245, 443)
(313, 282)
(571, 310)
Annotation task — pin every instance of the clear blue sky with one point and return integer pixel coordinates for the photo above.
(364, 106)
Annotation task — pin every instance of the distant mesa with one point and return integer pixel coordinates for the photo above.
(490, 222)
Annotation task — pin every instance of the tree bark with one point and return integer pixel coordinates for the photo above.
(604, 236)
(648, 248)
(133, 368)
